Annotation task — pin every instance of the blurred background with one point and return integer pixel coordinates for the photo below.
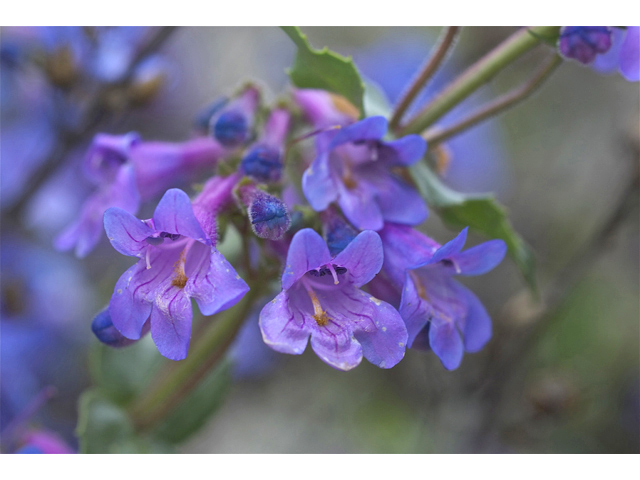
(562, 377)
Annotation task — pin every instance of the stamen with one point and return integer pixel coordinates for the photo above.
(319, 315)
(147, 256)
(334, 274)
(180, 279)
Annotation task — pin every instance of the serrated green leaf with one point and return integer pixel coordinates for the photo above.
(194, 410)
(103, 427)
(481, 213)
(325, 70)
(123, 373)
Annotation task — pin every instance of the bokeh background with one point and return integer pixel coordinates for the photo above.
(564, 377)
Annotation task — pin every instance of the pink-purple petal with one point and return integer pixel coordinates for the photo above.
(126, 233)
(363, 257)
(281, 328)
(371, 128)
(308, 251)
(446, 343)
(129, 312)
(476, 326)
(171, 323)
(404, 151)
(360, 208)
(216, 286)
(385, 346)
(481, 258)
(174, 214)
(318, 185)
(451, 247)
(337, 349)
(400, 203)
(414, 310)
(630, 55)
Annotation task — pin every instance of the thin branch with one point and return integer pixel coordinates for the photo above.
(499, 105)
(477, 75)
(439, 53)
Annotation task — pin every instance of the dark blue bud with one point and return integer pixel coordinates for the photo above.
(339, 234)
(103, 328)
(231, 128)
(263, 163)
(269, 216)
(584, 43)
(203, 118)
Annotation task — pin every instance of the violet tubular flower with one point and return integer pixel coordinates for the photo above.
(321, 298)
(440, 313)
(128, 171)
(178, 261)
(354, 168)
(584, 43)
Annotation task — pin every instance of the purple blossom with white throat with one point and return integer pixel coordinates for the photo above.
(321, 298)
(178, 261)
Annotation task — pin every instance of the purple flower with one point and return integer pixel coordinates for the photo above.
(438, 311)
(624, 54)
(127, 171)
(321, 298)
(178, 261)
(43, 442)
(354, 168)
(584, 43)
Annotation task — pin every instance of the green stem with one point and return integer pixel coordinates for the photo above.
(185, 375)
(478, 74)
(435, 135)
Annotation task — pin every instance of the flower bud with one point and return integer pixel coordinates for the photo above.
(584, 43)
(103, 328)
(269, 216)
(203, 118)
(232, 125)
(263, 163)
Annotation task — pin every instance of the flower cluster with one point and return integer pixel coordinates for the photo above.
(367, 208)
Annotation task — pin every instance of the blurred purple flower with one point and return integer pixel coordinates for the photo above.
(321, 298)
(624, 54)
(127, 171)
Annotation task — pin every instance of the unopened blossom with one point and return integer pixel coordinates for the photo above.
(231, 125)
(325, 109)
(263, 161)
(321, 299)
(354, 168)
(584, 43)
(178, 261)
(440, 313)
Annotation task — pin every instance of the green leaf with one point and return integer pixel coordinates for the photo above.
(194, 410)
(123, 373)
(481, 213)
(103, 427)
(325, 69)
